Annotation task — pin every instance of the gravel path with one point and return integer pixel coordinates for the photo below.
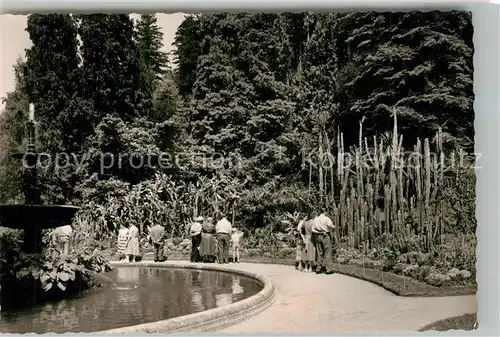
(312, 303)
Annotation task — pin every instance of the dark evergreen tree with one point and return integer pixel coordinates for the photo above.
(316, 77)
(12, 135)
(188, 48)
(265, 59)
(52, 77)
(153, 61)
(111, 76)
(215, 82)
(419, 63)
(53, 84)
(150, 41)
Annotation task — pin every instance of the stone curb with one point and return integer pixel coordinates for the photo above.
(208, 320)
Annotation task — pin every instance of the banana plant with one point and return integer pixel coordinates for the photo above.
(291, 221)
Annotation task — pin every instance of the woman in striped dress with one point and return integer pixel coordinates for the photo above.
(122, 241)
(300, 239)
(132, 250)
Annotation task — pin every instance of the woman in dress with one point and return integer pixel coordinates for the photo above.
(310, 248)
(122, 242)
(300, 239)
(132, 251)
(208, 244)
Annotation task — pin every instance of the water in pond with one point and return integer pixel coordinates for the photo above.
(143, 295)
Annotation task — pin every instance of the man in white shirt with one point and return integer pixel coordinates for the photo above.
(223, 231)
(195, 233)
(61, 237)
(322, 230)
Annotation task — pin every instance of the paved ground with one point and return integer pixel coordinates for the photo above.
(312, 303)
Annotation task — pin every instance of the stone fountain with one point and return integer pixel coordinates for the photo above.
(32, 217)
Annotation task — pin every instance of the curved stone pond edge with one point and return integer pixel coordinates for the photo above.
(397, 284)
(208, 320)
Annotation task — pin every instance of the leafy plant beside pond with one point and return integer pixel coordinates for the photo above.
(46, 276)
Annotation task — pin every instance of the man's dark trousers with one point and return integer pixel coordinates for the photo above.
(324, 252)
(223, 242)
(195, 243)
(158, 251)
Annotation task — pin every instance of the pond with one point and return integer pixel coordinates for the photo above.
(142, 295)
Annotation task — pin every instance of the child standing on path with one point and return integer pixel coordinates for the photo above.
(235, 242)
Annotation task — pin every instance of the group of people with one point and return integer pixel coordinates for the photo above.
(128, 242)
(315, 242)
(211, 243)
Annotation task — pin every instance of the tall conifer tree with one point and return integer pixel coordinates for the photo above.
(111, 68)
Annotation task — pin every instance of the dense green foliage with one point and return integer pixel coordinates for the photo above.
(11, 136)
(153, 60)
(249, 96)
(33, 278)
(419, 62)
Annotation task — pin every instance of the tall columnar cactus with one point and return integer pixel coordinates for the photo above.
(377, 191)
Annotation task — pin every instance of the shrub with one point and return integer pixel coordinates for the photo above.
(177, 241)
(9, 239)
(45, 276)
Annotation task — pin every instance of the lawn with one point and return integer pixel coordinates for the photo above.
(463, 322)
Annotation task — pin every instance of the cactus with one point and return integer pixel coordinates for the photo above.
(412, 199)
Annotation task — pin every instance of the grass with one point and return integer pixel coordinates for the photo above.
(397, 284)
(463, 322)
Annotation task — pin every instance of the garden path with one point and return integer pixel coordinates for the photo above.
(312, 303)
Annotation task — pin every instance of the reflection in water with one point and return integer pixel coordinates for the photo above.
(223, 299)
(127, 276)
(196, 297)
(236, 287)
(197, 300)
(143, 295)
(195, 275)
(224, 293)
